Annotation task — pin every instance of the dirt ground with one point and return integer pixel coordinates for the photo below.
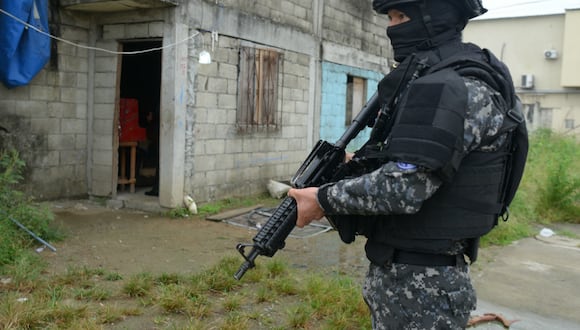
(130, 242)
(537, 278)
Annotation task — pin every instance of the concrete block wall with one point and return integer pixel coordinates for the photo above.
(46, 120)
(350, 23)
(64, 121)
(353, 23)
(222, 162)
(295, 13)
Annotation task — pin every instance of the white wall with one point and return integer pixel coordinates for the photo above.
(522, 43)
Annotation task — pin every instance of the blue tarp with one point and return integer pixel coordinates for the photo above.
(23, 50)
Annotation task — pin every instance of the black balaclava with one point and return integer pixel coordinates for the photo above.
(445, 24)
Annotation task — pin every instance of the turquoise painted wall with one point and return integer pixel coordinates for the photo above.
(332, 114)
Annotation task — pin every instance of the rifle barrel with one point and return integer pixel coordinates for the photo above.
(371, 108)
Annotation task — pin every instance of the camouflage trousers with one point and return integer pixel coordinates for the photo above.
(402, 296)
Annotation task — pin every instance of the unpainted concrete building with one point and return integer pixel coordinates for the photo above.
(540, 46)
(282, 75)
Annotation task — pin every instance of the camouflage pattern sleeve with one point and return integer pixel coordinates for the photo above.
(483, 118)
(391, 189)
(398, 188)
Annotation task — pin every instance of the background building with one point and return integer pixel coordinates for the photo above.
(538, 41)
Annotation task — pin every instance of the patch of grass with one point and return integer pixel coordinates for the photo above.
(284, 286)
(65, 315)
(264, 294)
(113, 277)
(173, 299)
(209, 299)
(108, 314)
(232, 303)
(179, 213)
(167, 279)
(17, 207)
(549, 190)
(209, 208)
(26, 271)
(235, 321)
(553, 173)
(235, 202)
(336, 300)
(298, 316)
(220, 277)
(139, 285)
(81, 276)
(276, 268)
(568, 234)
(92, 293)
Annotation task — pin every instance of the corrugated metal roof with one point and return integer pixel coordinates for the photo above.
(525, 8)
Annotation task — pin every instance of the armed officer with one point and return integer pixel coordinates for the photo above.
(435, 169)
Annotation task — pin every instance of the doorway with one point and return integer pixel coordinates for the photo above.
(139, 93)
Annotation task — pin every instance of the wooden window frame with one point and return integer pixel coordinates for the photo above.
(356, 91)
(259, 89)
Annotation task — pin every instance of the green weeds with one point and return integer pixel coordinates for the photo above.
(277, 297)
(15, 205)
(218, 206)
(549, 191)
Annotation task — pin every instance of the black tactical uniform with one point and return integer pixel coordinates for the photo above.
(441, 171)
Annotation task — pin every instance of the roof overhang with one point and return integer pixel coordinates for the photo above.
(104, 6)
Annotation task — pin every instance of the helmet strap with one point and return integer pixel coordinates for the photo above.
(426, 18)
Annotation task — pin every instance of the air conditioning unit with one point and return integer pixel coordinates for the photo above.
(551, 54)
(527, 81)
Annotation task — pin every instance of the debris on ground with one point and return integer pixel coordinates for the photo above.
(490, 317)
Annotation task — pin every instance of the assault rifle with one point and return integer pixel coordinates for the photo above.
(320, 167)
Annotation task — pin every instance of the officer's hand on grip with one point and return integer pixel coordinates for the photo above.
(307, 204)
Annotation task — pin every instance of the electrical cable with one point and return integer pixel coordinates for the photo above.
(97, 48)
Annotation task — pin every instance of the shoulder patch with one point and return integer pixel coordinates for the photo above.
(406, 166)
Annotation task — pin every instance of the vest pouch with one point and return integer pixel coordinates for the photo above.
(349, 226)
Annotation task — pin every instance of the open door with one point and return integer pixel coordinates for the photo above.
(139, 113)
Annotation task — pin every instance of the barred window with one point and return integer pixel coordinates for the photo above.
(258, 88)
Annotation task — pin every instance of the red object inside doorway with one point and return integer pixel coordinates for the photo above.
(129, 122)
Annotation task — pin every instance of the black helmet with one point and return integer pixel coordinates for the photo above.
(470, 8)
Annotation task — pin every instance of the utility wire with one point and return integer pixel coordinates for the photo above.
(96, 48)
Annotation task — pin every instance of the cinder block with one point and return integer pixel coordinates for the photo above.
(105, 110)
(103, 142)
(73, 126)
(207, 100)
(226, 101)
(156, 29)
(44, 93)
(217, 85)
(44, 125)
(60, 142)
(215, 147)
(106, 64)
(104, 94)
(103, 157)
(113, 31)
(140, 30)
(72, 157)
(47, 159)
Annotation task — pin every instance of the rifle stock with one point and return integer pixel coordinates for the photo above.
(319, 168)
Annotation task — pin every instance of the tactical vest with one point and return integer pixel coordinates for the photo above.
(476, 185)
